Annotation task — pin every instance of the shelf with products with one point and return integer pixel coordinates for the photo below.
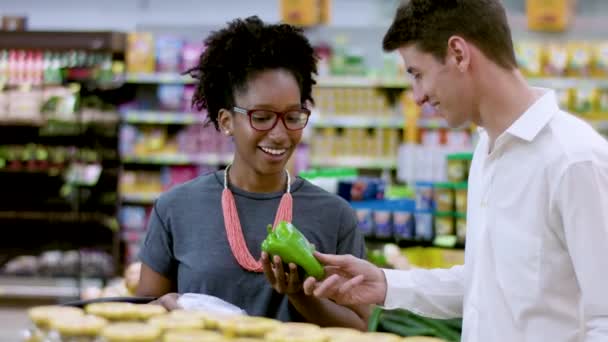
(179, 159)
(59, 135)
(360, 120)
(161, 117)
(45, 288)
(140, 197)
(158, 78)
(354, 161)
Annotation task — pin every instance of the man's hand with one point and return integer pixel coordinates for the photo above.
(283, 282)
(349, 281)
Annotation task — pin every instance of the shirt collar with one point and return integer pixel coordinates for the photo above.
(533, 120)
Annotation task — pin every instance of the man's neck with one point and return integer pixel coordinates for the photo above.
(241, 176)
(505, 96)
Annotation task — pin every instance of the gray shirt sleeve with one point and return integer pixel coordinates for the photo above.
(157, 251)
(351, 239)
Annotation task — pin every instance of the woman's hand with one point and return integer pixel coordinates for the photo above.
(283, 282)
(169, 301)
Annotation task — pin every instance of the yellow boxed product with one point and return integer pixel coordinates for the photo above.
(325, 11)
(549, 15)
(603, 102)
(444, 223)
(301, 12)
(444, 196)
(460, 198)
(556, 60)
(564, 97)
(600, 59)
(140, 53)
(529, 58)
(461, 227)
(585, 100)
(580, 58)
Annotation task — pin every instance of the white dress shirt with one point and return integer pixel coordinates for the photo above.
(536, 259)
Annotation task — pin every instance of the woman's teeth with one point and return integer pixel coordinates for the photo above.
(273, 151)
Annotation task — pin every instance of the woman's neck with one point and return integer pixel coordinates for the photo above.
(251, 181)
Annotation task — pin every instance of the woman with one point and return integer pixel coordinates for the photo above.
(205, 235)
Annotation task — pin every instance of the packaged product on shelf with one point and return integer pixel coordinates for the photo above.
(191, 53)
(556, 60)
(132, 217)
(3, 102)
(128, 135)
(461, 227)
(580, 59)
(600, 59)
(168, 54)
(444, 197)
(424, 225)
(460, 190)
(24, 103)
(584, 99)
(403, 220)
(365, 222)
(174, 175)
(603, 102)
(424, 196)
(444, 223)
(170, 96)
(529, 58)
(140, 54)
(564, 97)
(458, 166)
(383, 226)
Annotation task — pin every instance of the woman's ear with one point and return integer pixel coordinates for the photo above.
(225, 122)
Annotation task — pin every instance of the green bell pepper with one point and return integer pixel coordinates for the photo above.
(292, 246)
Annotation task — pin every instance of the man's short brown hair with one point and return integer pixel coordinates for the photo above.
(430, 23)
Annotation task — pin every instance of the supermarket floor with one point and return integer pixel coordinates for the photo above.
(13, 320)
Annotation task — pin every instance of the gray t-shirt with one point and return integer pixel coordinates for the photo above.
(186, 239)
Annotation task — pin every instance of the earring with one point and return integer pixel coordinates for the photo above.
(227, 132)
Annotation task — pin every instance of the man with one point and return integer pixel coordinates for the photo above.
(536, 262)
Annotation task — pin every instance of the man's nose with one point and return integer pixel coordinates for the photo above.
(419, 95)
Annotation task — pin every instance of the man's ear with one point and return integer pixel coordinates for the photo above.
(225, 121)
(459, 53)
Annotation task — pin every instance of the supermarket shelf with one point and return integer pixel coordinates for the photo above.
(140, 197)
(12, 287)
(568, 82)
(179, 159)
(159, 78)
(432, 123)
(361, 82)
(64, 40)
(40, 122)
(160, 117)
(56, 216)
(359, 121)
(358, 162)
(372, 82)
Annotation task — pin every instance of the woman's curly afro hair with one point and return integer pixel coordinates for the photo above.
(244, 48)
